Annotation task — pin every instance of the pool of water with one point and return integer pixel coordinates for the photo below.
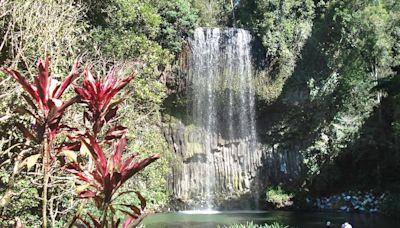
(194, 219)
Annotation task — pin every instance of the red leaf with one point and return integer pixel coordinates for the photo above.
(29, 88)
(84, 222)
(57, 112)
(127, 221)
(97, 177)
(97, 95)
(107, 188)
(134, 208)
(130, 214)
(97, 154)
(130, 170)
(73, 168)
(30, 102)
(42, 80)
(72, 133)
(95, 221)
(109, 84)
(67, 81)
(124, 82)
(23, 110)
(115, 183)
(87, 194)
(75, 146)
(41, 93)
(121, 84)
(84, 94)
(27, 134)
(128, 161)
(89, 81)
(117, 152)
(53, 108)
(142, 200)
(110, 113)
(77, 171)
(115, 132)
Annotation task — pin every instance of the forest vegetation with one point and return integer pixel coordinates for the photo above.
(332, 65)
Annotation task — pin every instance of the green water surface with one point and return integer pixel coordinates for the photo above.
(291, 218)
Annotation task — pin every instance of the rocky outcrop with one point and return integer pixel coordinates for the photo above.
(349, 202)
(240, 180)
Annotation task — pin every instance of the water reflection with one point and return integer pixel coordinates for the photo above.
(198, 219)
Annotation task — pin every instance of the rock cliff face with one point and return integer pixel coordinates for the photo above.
(219, 162)
(240, 180)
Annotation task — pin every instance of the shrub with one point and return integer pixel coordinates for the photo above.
(278, 197)
(391, 206)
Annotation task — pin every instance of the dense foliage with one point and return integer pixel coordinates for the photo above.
(136, 36)
(330, 68)
(337, 115)
(283, 27)
(278, 197)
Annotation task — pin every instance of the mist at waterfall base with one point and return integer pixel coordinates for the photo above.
(223, 147)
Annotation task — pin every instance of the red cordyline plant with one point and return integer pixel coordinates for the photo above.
(47, 110)
(102, 183)
(97, 96)
(45, 93)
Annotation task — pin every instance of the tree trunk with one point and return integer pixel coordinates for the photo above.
(104, 219)
(45, 162)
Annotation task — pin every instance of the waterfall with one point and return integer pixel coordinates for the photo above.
(221, 155)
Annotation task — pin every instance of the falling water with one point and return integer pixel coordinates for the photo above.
(222, 155)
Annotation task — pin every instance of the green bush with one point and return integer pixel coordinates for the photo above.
(278, 197)
(391, 206)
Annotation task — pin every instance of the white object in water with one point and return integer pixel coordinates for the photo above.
(346, 225)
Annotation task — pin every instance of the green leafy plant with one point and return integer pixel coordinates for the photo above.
(278, 197)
